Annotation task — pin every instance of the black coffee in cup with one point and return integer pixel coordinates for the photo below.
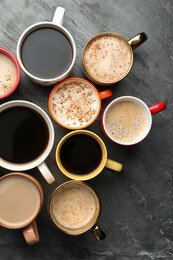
(24, 135)
(80, 154)
(46, 53)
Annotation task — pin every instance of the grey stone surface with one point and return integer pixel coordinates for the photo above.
(137, 205)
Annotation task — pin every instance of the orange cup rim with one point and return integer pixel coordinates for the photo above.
(58, 85)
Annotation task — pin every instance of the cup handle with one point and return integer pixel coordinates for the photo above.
(137, 40)
(46, 172)
(157, 108)
(58, 16)
(105, 94)
(97, 232)
(113, 165)
(30, 233)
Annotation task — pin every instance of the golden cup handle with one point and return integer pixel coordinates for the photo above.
(97, 232)
(113, 165)
(137, 40)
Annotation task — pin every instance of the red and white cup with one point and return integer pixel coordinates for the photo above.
(148, 111)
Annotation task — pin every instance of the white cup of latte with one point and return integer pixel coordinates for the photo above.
(127, 120)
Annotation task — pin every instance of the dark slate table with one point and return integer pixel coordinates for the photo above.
(137, 205)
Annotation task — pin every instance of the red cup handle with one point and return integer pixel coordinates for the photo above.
(157, 108)
(105, 94)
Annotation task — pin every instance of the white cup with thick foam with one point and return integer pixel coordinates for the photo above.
(39, 161)
(127, 120)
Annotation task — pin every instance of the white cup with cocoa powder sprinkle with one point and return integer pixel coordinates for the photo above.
(9, 73)
(75, 103)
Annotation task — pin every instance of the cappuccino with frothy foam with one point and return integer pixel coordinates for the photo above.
(126, 121)
(107, 58)
(8, 74)
(73, 207)
(74, 104)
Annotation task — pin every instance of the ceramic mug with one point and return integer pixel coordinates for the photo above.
(46, 51)
(9, 73)
(75, 103)
(20, 203)
(127, 120)
(107, 57)
(82, 155)
(27, 137)
(74, 208)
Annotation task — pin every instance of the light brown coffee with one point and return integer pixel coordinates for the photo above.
(8, 74)
(73, 207)
(107, 58)
(19, 200)
(126, 121)
(75, 103)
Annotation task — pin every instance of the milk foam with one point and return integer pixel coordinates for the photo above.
(19, 199)
(8, 74)
(75, 104)
(73, 207)
(107, 58)
(126, 121)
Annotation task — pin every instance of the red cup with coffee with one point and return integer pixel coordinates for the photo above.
(127, 120)
(9, 73)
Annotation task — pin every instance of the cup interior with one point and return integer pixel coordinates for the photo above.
(32, 29)
(23, 196)
(126, 120)
(107, 58)
(10, 73)
(74, 207)
(76, 160)
(74, 103)
(50, 137)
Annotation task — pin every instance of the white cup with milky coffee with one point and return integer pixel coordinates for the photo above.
(21, 200)
(127, 120)
(74, 208)
(108, 57)
(27, 137)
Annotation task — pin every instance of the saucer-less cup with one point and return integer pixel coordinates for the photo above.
(82, 155)
(107, 57)
(75, 103)
(21, 199)
(9, 73)
(46, 51)
(127, 120)
(74, 208)
(22, 142)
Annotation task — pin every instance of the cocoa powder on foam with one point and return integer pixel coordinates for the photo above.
(107, 58)
(8, 74)
(74, 103)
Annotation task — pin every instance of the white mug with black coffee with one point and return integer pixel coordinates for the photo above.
(46, 51)
(27, 137)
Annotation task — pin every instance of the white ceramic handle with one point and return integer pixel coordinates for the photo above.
(46, 173)
(59, 16)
